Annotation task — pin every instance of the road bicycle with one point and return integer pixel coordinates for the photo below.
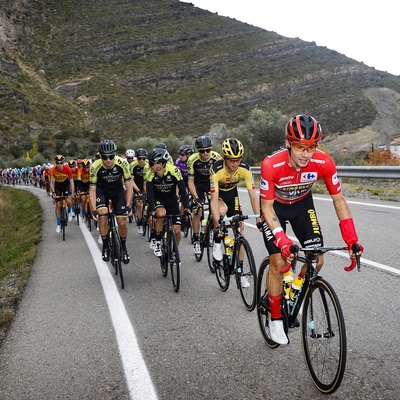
(114, 243)
(237, 260)
(88, 213)
(77, 205)
(64, 212)
(170, 255)
(322, 323)
(206, 237)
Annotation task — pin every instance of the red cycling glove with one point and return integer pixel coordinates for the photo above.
(282, 242)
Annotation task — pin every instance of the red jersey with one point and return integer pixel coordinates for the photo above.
(61, 176)
(282, 182)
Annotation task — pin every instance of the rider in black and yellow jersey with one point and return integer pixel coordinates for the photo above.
(199, 180)
(108, 175)
(161, 188)
(224, 177)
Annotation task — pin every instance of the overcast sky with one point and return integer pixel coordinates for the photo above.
(364, 31)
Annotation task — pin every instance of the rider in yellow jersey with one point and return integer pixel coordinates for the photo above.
(224, 177)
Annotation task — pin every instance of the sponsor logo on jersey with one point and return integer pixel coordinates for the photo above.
(308, 177)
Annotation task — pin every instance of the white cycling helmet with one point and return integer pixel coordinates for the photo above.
(130, 153)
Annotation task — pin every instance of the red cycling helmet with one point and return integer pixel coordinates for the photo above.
(303, 129)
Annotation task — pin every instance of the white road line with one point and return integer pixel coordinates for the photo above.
(345, 255)
(137, 376)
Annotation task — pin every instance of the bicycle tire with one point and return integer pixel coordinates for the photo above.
(249, 272)
(111, 245)
(118, 257)
(64, 221)
(164, 257)
(174, 260)
(263, 310)
(222, 273)
(209, 244)
(324, 336)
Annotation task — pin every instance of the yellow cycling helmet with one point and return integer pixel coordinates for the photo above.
(232, 148)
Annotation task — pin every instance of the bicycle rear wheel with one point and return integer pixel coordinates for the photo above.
(249, 276)
(324, 336)
(263, 310)
(174, 260)
(223, 274)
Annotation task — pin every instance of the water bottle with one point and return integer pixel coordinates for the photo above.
(295, 289)
(204, 223)
(287, 280)
(228, 243)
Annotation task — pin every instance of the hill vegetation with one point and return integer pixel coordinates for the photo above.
(75, 71)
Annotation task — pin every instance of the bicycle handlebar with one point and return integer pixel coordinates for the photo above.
(237, 218)
(321, 250)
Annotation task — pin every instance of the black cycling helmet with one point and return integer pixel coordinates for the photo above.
(186, 149)
(72, 163)
(59, 158)
(161, 146)
(303, 129)
(141, 152)
(203, 142)
(158, 155)
(232, 148)
(107, 147)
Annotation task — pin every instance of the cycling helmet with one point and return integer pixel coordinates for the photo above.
(79, 161)
(107, 147)
(158, 155)
(303, 129)
(59, 158)
(72, 163)
(130, 153)
(232, 148)
(186, 150)
(203, 142)
(141, 152)
(86, 162)
(161, 146)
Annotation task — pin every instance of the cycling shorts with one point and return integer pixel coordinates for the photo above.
(171, 206)
(231, 199)
(117, 198)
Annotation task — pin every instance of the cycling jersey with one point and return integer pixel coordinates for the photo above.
(138, 173)
(112, 178)
(282, 182)
(222, 180)
(199, 169)
(62, 176)
(164, 187)
(83, 179)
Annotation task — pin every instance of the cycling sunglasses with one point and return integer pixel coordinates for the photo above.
(141, 158)
(202, 151)
(107, 157)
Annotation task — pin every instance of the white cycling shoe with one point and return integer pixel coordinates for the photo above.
(277, 332)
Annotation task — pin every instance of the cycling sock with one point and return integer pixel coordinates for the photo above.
(58, 220)
(275, 306)
(105, 241)
(195, 237)
(157, 236)
(123, 243)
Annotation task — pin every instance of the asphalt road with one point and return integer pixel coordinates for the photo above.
(77, 335)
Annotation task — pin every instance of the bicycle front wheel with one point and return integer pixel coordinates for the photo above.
(247, 278)
(324, 336)
(118, 258)
(64, 220)
(209, 244)
(223, 274)
(164, 257)
(263, 309)
(174, 260)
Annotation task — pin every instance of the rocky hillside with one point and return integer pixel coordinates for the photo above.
(74, 71)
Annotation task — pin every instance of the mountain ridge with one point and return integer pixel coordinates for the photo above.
(130, 69)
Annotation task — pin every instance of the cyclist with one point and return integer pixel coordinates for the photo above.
(130, 156)
(161, 185)
(185, 151)
(199, 165)
(108, 175)
(164, 146)
(287, 177)
(83, 181)
(225, 175)
(61, 183)
(74, 168)
(137, 172)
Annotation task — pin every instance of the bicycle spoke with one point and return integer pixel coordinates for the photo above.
(248, 276)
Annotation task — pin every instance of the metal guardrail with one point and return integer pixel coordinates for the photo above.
(384, 172)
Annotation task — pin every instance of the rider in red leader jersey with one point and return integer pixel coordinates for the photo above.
(287, 177)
